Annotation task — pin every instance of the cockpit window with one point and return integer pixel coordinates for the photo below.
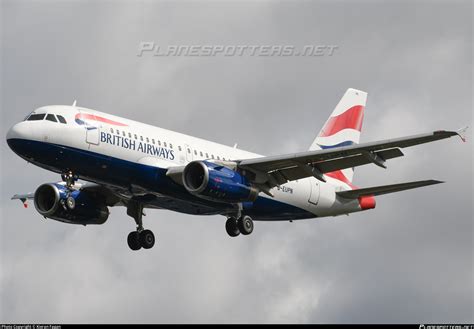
(36, 117)
(61, 119)
(51, 117)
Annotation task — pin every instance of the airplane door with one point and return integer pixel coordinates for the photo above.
(91, 126)
(189, 153)
(92, 135)
(314, 191)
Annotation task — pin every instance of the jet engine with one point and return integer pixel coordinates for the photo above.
(217, 183)
(56, 201)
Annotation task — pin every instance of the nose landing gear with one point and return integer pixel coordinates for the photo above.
(69, 178)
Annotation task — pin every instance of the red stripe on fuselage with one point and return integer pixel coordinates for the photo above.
(350, 119)
(87, 116)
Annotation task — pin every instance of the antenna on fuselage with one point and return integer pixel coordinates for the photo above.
(235, 145)
(74, 104)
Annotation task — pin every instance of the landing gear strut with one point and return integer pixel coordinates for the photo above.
(140, 238)
(242, 225)
(70, 179)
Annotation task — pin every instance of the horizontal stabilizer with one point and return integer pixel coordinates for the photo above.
(378, 190)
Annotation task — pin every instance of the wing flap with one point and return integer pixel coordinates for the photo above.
(357, 160)
(297, 171)
(315, 157)
(384, 189)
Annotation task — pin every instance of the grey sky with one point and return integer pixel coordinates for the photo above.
(409, 260)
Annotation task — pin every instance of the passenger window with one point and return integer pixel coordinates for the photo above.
(159, 143)
(212, 156)
(36, 117)
(50, 117)
(129, 135)
(153, 140)
(201, 154)
(189, 151)
(164, 143)
(61, 119)
(118, 132)
(207, 156)
(179, 148)
(135, 136)
(218, 158)
(141, 138)
(171, 146)
(147, 140)
(195, 152)
(123, 133)
(111, 130)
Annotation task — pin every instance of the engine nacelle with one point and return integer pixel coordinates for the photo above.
(52, 201)
(218, 183)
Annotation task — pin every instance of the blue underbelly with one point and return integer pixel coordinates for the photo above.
(108, 170)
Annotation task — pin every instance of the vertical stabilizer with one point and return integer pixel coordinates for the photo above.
(344, 126)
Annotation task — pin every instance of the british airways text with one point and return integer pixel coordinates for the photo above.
(131, 144)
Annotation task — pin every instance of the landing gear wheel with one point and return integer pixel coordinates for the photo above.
(134, 241)
(70, 203)
(245, 225)
(231, 227)
(147, 239)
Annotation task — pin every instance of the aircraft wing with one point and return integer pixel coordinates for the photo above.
(276, 170)
(23, 198)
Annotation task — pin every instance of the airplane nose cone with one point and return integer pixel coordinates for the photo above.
(14, 132)
(17, 136)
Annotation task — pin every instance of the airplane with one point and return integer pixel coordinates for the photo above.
(121, 162)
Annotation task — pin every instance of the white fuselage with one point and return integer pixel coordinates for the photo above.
(129, 142)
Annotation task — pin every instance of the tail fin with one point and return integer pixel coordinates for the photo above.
(344, 125)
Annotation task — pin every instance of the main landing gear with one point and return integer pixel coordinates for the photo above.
(140, 238)
(234, 226)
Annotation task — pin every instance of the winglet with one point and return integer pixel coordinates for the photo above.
(462, 133)
(24, 201)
